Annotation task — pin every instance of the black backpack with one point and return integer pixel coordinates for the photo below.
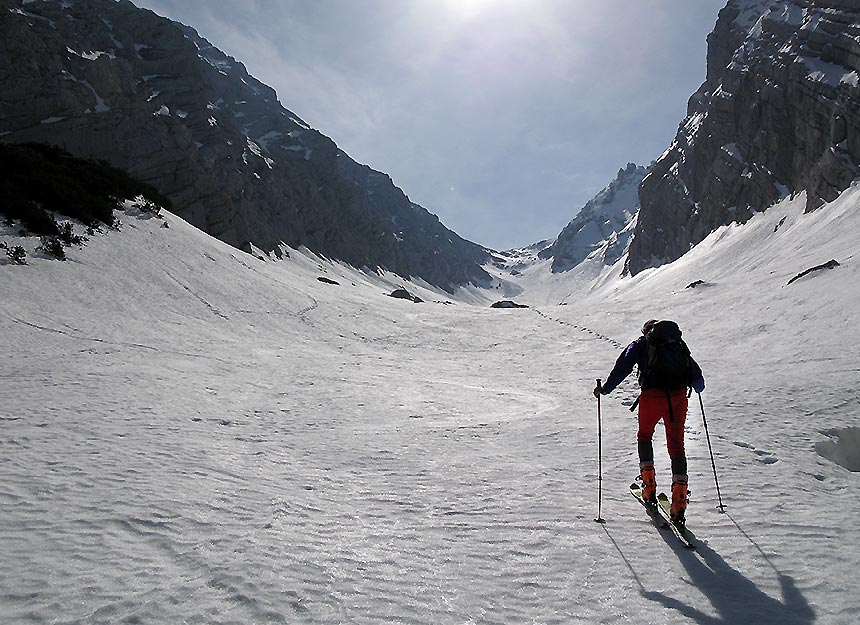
(668, 364)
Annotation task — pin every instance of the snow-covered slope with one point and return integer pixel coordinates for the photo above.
(191, 434)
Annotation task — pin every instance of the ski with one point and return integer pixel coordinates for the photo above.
(653, 512)
(679, 529)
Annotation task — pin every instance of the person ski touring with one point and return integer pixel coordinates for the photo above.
(666, 370)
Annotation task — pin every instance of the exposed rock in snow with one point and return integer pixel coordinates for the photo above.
(402, 293)
(506, 303)
(830, 264)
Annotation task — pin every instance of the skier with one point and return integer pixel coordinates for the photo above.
(665, 370)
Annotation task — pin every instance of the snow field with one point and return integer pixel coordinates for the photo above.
(193, 435)
(781, 369)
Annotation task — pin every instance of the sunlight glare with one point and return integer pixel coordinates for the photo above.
(467, 9)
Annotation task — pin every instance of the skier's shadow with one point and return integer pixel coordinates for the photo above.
(735, 598)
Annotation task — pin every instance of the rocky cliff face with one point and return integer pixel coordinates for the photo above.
(778, 114)
(603, 226)
(105, 79)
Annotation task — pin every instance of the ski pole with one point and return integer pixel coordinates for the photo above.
(599, 519)
(711, 451)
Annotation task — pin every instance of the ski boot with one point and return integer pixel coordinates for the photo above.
(679, 499)
(649, 482)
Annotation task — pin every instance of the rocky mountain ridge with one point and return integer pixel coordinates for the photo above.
(603, 226)
(778, 114)
(105, 79)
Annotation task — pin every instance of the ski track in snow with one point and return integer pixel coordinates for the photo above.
(182, 444)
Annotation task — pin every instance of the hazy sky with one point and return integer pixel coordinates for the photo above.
(503, 117)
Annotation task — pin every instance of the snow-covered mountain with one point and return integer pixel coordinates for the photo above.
(778, 114)
(602, 226)
(105, 79)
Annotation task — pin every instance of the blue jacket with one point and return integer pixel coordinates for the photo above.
(637, 354)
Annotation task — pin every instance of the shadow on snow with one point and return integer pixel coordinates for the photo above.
(735, 598)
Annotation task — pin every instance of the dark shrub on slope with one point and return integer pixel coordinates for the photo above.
(36, 179)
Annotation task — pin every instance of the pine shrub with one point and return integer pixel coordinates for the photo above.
(17, 254)
(147, 206)
(67, 236)
(53, 247)
(38, 179)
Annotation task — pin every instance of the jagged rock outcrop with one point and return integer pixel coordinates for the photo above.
(402, 293)
(778, 114)
(603, 226)
(105, 79)
(830, 264)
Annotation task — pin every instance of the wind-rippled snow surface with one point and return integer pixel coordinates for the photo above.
(191, 435)
(237, 472)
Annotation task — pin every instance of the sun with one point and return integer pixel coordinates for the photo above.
(466, 9)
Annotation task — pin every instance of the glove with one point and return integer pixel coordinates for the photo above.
(598, 391)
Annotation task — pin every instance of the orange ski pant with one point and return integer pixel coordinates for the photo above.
(653, 406)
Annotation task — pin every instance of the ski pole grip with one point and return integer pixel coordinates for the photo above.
(600, 384)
